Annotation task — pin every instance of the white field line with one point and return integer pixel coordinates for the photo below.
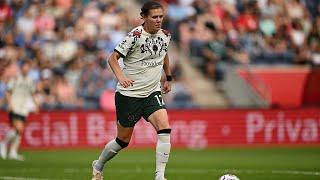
(201, 171)
(170, 170)
(21, 178)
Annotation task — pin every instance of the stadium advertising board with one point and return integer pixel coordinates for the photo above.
(191, 128)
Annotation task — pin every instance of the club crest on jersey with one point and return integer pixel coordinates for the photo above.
(136, 33)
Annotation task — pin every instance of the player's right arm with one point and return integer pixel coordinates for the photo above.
(113, 62)
(8, 100)
(8, 93)
(34, 98)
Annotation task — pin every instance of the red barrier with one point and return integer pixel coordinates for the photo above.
(191, 128)
(312, 88)
(286, 84)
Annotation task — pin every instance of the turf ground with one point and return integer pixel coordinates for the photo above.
(295, 163)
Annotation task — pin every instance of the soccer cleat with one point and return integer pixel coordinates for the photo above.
(96, 175)
(16, 157)
(3, 150)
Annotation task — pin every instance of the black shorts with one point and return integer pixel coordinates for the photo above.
(130, 109)
(14, 117)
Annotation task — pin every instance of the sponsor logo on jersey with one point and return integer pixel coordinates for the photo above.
(150, 63)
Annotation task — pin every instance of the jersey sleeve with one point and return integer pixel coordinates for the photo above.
(129, 42)
(126, 45)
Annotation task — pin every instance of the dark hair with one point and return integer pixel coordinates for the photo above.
(148, 6)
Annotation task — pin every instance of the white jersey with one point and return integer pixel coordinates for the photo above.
(22, 89)
(143, 54)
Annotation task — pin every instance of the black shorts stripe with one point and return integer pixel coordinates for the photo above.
(14, 116)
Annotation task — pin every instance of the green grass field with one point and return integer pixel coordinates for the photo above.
(295, 163)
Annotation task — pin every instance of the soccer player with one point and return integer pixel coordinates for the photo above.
(139, 90)
(20, 90)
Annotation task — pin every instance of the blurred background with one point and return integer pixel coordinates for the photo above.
(232, 53)
(246, 72)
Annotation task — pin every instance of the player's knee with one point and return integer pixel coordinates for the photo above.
(18, 126)
(15, 131)
(122, 143)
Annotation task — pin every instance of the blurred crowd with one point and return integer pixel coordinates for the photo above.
(219, 32)
(65, 41)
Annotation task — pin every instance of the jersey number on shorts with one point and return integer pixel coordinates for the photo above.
(159, 99)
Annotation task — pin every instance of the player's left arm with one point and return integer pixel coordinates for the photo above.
(34, 98)
(166, 67)
(10, 86)
(36, 104)
(8, 100)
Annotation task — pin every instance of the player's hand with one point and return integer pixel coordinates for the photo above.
(10, 107)
(37, 110)
(166, 87)
(125, 82)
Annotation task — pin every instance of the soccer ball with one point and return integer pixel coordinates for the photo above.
(229, 177)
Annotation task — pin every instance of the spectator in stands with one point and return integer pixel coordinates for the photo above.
(66, 94)
(44, 93)
(5, 15)
(56, 36)
(92, 81)
(213, 52)
(267, 32)
(11, 69)
(54, 33)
